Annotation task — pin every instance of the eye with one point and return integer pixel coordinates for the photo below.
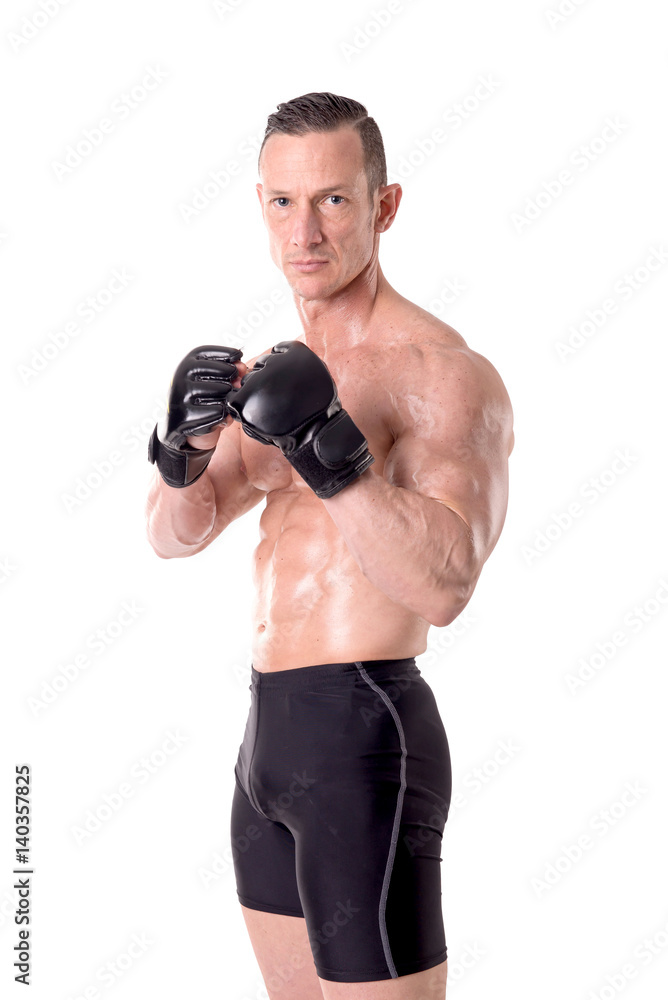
(285, 202)
(340, 198)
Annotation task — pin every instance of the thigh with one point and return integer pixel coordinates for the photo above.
(264, 860)
(368, 851)
(283, 952)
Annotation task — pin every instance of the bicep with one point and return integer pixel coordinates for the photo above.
(454, 435)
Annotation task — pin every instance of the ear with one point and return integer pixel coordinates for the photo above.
(259, 189)
(388, 204)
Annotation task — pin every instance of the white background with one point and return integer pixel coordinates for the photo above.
(551, 591)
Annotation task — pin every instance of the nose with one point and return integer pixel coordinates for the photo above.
(305, 228)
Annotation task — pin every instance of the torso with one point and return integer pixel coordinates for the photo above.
(313, 604)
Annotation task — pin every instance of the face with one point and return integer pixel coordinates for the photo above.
(315, 204)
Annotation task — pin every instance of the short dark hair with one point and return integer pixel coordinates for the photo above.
(325, 112)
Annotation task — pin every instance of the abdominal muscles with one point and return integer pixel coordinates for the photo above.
(313, 604)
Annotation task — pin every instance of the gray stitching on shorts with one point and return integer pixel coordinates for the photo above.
(395, 829)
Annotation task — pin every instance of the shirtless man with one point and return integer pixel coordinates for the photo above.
(378, 519)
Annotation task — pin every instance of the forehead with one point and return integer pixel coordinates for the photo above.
(317, 159)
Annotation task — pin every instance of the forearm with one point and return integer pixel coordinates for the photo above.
(412, 548)
(179, 522)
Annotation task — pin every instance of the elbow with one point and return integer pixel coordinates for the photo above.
(451, 598)
(446, 611)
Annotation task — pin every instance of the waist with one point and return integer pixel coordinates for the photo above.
(325, 674)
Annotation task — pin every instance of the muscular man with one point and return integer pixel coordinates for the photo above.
(379, 442)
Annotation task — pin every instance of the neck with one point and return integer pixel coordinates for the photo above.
(343, 320)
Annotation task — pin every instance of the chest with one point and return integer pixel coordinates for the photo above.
(363, 390)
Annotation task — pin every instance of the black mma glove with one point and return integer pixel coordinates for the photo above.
(196, 403)
(289, 399)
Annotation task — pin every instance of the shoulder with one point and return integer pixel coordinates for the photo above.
(433, 370)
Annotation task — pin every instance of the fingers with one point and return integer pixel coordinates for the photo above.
(241, 370)
(208, 440)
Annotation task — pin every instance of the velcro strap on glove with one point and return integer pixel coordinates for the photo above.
(178, 467)
(335, 456)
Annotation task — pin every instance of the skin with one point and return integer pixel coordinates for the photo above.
(364, 574)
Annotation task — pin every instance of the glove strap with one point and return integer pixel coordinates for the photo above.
(335, 456)
(178, 467)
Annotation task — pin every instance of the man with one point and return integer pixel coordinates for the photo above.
(379, 442)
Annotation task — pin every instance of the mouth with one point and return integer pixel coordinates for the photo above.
(306, 266)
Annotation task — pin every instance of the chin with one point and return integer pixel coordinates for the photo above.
(311, 290)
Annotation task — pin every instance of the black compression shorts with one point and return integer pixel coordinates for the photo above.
(343, 785)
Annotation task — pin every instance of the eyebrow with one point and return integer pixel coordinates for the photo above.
(329, 189)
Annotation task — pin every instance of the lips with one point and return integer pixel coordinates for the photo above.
(308, 265)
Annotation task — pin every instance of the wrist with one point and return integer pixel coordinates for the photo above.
(178, 467)
(333, 458)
